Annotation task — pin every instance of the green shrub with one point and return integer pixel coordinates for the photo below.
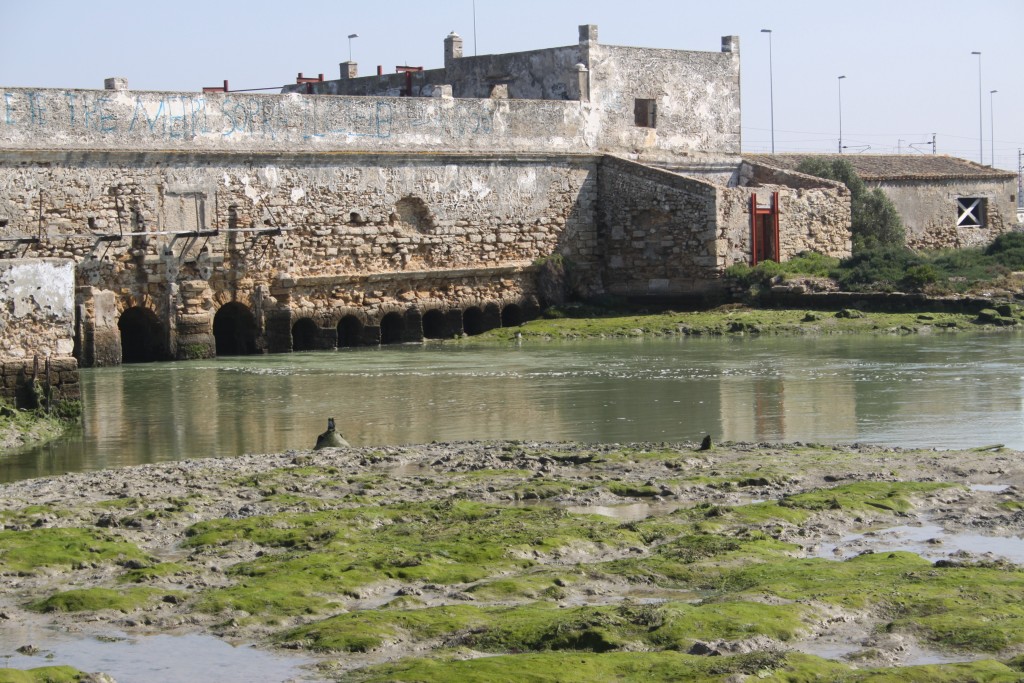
(881, 269)
(874, 221)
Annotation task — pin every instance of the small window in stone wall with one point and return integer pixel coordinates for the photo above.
(971, 212)
(645, 112)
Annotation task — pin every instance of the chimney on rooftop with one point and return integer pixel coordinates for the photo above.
(348, 70)
(115, 83)
(588, 34)
(452, 48)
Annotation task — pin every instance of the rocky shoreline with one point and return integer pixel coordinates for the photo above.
(305, 550)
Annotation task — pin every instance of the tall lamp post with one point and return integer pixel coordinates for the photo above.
(841, 114)
(350, 37)
(981, 142)
(992, 126)
(771, 84)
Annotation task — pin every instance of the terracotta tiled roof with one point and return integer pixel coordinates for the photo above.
(893, 166)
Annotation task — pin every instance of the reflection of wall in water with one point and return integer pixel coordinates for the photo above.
(777, 409)
(445, 406)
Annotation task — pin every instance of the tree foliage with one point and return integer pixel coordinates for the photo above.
(874, 220)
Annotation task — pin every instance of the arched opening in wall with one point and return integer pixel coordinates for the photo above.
(492, 316)
(392, 329)
(141, 335)
(234, 329)
(350, 332)
(512, 316)
(473, 321)
(304, 333)
(412, 212)
(434, 325)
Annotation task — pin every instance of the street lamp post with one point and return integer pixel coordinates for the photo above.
(981, 143)
(841, 114)
(350, 37)
(992, 125)
(771, 84)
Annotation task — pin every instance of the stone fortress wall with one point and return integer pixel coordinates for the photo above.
(222, 223)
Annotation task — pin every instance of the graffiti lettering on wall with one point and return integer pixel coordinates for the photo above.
(185, 117)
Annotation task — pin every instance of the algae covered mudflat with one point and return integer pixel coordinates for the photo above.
(540, 561)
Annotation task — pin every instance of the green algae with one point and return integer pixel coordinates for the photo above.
(150, 573)
(541, 626)
(25, 551)
(668, 667)
(95, 599)
(865, 495)
(336, 552)
(726, 320)
(43, 674)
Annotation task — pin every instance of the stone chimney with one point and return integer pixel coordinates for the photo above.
(349, 70)
(588, 34)
(115, 83)
(731, 44)
(452, 47)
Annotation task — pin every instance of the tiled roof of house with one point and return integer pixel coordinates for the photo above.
(894, 166)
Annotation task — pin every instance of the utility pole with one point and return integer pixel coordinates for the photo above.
(1020, 179)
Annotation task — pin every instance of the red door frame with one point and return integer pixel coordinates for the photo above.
(755, 213)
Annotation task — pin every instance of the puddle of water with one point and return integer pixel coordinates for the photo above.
(992, 488)
(142, 659)
(634, 512)
(840, 649)
(928, 540)
(411, 470)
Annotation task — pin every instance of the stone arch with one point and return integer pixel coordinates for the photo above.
(350, 331)
(234, 329)
(412, 213)
(473, 321)
(435, 325)
(141, 336)
(392, 328)
(304, 335)
(512, 315)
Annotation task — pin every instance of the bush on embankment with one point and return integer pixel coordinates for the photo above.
(892, 269)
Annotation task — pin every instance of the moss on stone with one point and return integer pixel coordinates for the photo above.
(25, 551)
(95, 599)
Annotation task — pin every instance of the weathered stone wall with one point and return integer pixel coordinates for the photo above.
(370, 233)
(664, 233)
(37, 308)
(657, 230)
(697, 97)
(47, 119)
(929, 210)
(37, 319)
(810, 219)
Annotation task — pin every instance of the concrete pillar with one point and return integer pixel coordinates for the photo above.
(452, 48)
(583, 74)
(731, 44)
(100, 337)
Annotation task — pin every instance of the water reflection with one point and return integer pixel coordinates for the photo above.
(139, 659)
(921, 391)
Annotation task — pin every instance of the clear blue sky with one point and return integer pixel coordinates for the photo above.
(908, 63)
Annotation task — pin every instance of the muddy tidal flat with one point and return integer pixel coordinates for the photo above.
(526, 561)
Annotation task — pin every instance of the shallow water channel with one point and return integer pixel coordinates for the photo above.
(942, 391)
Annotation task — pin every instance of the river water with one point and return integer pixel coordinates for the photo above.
(942, 391)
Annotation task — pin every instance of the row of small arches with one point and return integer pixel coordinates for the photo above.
(235, 331)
